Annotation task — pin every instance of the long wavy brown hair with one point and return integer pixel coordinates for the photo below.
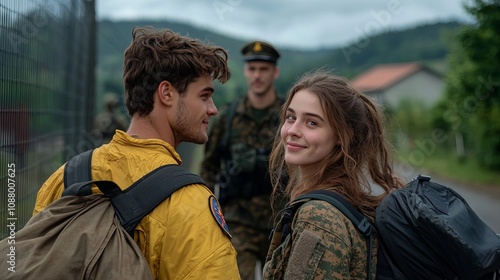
(360, 160)
(157, 55)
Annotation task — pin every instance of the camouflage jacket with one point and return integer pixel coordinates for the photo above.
(248, 148)
(323, 244)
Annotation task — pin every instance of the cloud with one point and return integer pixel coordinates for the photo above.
(300, 24)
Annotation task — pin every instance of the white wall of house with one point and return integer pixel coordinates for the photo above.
(422, 85)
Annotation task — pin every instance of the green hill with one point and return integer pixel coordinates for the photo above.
(429, 43)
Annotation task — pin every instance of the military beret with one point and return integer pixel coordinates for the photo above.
(258, 50)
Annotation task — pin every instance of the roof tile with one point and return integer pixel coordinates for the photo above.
(384, 75)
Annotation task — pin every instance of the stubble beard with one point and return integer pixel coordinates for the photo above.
(261, 93)
(186, 130)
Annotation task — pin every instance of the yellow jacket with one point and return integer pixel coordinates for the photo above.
(180, 238)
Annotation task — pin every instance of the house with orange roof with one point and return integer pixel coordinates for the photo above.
(390, 84)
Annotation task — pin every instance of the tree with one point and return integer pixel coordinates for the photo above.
(472, 90)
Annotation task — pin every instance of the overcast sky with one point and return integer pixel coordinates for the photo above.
(299, 24)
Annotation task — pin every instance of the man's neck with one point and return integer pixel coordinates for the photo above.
(144, 127)
(262, 101)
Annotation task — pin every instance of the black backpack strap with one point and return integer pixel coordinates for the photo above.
(108, 188)
(132, 204)
(144, 195)
(78, 169)
(135, 202)
(344, 206)
(231, 111)
(339, 202)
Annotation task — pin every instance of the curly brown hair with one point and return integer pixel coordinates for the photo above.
(361, 158)
(160, 55)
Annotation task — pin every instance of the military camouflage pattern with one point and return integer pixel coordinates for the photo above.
(324, 244)
(111, 119)
(251, 245)
(107, 123)
(248, 212)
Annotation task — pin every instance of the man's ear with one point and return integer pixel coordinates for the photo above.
(276, 72)
(165, 92)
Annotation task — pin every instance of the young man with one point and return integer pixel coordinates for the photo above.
(236, 157)
(168, 86)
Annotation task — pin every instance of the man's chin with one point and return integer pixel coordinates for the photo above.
(198, 140)
(259, 92)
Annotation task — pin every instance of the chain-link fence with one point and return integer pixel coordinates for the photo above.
(47, 60)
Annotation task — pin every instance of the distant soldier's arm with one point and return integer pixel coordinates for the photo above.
(210, 165)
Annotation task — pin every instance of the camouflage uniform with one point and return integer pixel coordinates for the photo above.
(246, 197)
(110, 120)
(324, 244)
(107, 123)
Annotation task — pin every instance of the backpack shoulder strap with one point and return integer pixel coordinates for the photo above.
(344, 206)
(78, 169)
(135, 202)
(339, 202)
(148, 192)
(229, 118)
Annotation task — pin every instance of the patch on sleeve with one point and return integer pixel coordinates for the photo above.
(217, 213)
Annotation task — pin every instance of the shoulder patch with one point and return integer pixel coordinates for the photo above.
(217, 213)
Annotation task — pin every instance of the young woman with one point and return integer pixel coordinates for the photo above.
(332, 138)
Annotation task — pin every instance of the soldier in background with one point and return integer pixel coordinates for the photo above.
(235, 166)
(110, 120)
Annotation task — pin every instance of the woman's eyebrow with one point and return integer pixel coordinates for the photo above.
(307, 113)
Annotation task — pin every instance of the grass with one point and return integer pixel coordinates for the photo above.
(466, 170)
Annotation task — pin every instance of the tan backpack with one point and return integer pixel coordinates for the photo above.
(88, 236)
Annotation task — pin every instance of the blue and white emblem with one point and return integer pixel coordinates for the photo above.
(217, 213)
